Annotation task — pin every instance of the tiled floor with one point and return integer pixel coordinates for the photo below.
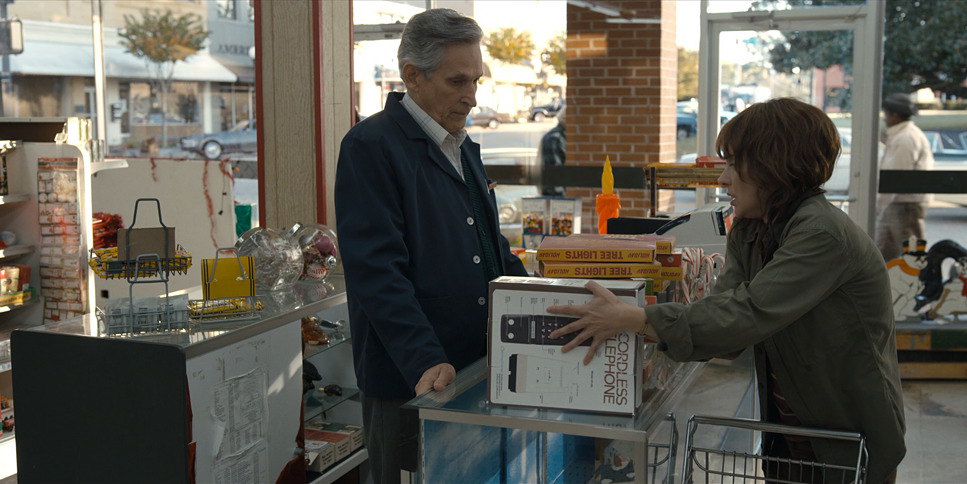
(936, 415)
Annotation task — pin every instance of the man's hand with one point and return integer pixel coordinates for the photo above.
(435, 378)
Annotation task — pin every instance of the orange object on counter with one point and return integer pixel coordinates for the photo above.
(606, 204)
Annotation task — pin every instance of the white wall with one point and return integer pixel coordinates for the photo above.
(179, 186)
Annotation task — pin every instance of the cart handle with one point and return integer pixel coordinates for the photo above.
(752, 424)
(758, 425)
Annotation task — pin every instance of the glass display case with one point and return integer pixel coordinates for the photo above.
(463, 438)
(199, 404)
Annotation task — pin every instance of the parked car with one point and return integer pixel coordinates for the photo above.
(947, 144)
(239, 139)
(538, 113)
(487, 116)
(686, 122)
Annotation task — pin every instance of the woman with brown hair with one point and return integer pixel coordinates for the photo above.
(802, 284)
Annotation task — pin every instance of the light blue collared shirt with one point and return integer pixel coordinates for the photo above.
(448, 142)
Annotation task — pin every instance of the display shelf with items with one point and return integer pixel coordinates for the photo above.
(330, 393)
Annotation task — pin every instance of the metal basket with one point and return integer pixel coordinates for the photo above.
(715, 465)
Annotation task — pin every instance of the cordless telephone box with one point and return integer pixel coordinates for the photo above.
(527, 366)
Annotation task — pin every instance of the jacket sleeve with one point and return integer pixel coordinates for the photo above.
(375, 256)
(804, 271)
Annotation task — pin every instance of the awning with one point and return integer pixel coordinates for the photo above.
(244, 72)
(77, 60)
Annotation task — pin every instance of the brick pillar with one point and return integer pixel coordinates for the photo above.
(621, 95)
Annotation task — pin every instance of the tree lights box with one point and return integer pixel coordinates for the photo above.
(528, 368)
(543, 216)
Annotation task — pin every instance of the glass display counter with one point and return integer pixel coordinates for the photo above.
(463, 438)
(208, 403)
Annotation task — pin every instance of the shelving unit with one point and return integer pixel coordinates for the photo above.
(334, 362)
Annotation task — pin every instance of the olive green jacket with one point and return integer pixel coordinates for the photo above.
(820, 313)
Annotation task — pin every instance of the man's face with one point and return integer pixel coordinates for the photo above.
(891, 119)
(450, 91)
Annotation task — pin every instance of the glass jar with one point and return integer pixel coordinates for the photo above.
(320, 253)
(278, 262)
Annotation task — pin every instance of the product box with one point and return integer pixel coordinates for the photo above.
(319, 455)
(527, 367)
(601, 270)
(341, 441)
(549, 216)
(354, 432)
(598, 248)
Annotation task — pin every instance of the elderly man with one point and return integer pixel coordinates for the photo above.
(901, 214)
(419, 236)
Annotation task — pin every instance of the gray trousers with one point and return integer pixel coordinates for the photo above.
(895, 224)
(391, 438)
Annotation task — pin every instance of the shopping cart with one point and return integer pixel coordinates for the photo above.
(662, 454)
(715, 465)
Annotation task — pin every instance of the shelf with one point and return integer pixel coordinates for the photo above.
(14, 198)
(15, 250)
(336, 338)
(11, 307)
(8, 436)
(338, 469)
(317, 403)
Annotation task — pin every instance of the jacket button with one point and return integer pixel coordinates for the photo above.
(469, 220)
(481, 301)
(476, 259)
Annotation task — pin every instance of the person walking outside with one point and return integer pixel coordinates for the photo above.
(552, 151)
(901, 215)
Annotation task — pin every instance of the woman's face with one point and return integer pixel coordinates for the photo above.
(746, 200)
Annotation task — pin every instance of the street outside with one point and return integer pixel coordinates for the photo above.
(946, 217)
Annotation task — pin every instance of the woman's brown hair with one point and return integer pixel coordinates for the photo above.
(785, 147)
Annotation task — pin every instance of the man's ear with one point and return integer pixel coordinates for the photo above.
(411, 77)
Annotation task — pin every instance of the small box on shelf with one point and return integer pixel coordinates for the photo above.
(549, 216)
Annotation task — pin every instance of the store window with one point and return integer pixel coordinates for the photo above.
(226, 8)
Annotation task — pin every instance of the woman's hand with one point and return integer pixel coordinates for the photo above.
(600, 319)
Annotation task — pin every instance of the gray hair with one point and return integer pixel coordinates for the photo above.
(429, 32)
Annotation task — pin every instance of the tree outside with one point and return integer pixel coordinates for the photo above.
(925, 45)
(687, 74)
(163, 39)
(556, 58)
(510, 45)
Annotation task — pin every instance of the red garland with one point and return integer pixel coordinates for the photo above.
(208, 202)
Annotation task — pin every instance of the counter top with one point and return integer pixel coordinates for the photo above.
(278, 308)
(465, 401)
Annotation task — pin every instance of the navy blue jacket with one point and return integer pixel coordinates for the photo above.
(416, 289)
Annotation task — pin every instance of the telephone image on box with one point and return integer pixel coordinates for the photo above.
(535, 329)
(538, 374)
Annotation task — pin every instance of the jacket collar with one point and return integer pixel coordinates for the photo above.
(394, 108)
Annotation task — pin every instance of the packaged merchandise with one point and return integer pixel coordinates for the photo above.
(549, 216)
(526, 366)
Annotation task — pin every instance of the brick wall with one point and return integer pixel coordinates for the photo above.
(621, 95)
